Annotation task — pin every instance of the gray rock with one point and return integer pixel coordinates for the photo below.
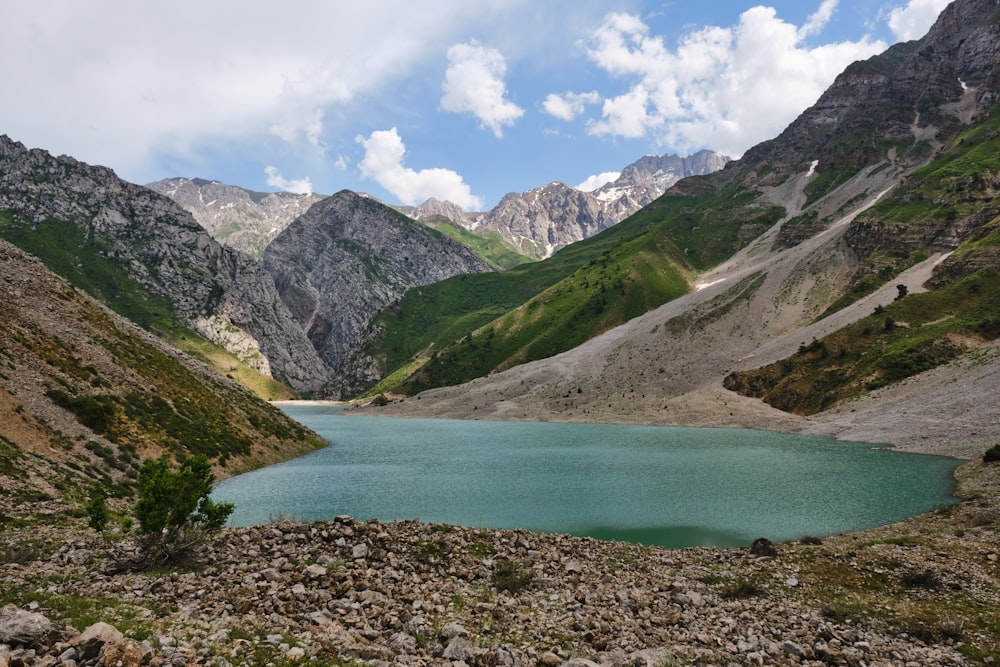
(19, 627)
(343, 261)
(93, 639)
(454, 629)
(459, 648)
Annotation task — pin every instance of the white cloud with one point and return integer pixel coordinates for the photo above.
(383, 163)
(136, 85)
(722, 88)
(915, 19)
(569, 105)
(302, 186)
(818, 19)
(596, 181)
(474, 83)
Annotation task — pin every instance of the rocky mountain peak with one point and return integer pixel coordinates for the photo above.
(542, 220)
(236, 217)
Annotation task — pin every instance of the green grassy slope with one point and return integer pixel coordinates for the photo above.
(489, 247)
(911, 335)
(469, 326)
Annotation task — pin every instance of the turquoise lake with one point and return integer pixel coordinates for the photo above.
(667, 486)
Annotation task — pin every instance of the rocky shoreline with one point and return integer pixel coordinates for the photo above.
(923, 592)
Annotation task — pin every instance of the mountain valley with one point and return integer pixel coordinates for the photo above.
(841, 279)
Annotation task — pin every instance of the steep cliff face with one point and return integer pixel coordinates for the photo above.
(238, 218)
(138, 250)
(343, 261)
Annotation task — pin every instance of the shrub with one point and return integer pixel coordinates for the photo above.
(97, 510)
(509, 576)
(174, 510)
(741, 589)
(992, 454)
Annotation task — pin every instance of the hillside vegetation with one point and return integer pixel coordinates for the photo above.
(469, 326)
(104, 396)
(87, 262)
(954, 196)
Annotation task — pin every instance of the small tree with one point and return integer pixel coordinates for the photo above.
(174, 510)
(97, 510)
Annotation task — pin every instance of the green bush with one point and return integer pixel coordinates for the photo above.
(509, 576)
(174, 510)
(992, 454)
(97, 510)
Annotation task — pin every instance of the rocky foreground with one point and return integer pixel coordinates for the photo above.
(923, 592)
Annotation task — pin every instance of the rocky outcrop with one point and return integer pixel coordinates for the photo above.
(650, 176)
(345, 260)
(236, 217)
(540, 221)
(163, 251)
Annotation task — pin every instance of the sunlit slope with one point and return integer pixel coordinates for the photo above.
(469, 326)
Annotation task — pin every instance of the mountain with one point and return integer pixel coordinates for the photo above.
(346, 259)
(148, 259)
(85, 396)
(540, 221)
(650, 176)
(798, 254)
(238, 218)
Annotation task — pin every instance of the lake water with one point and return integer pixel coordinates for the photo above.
(668, 486)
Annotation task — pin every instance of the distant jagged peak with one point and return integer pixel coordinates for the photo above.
(434, 210)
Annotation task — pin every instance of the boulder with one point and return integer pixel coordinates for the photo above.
(763, 547)
(92, 640)
(19, 627)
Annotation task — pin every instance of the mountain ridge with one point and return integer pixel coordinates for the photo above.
(148, 258)
(542, 220)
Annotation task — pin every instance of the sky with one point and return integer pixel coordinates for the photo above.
(451, 99)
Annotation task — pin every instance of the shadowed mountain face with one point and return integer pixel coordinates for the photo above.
(345, 260)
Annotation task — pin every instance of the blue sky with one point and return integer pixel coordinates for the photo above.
(405, 100)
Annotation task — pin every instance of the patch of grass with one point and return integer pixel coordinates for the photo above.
(925, 579)
(489, 247)
(510, 576)
(741, 589)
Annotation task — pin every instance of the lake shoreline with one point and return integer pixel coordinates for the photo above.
(923, 591)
